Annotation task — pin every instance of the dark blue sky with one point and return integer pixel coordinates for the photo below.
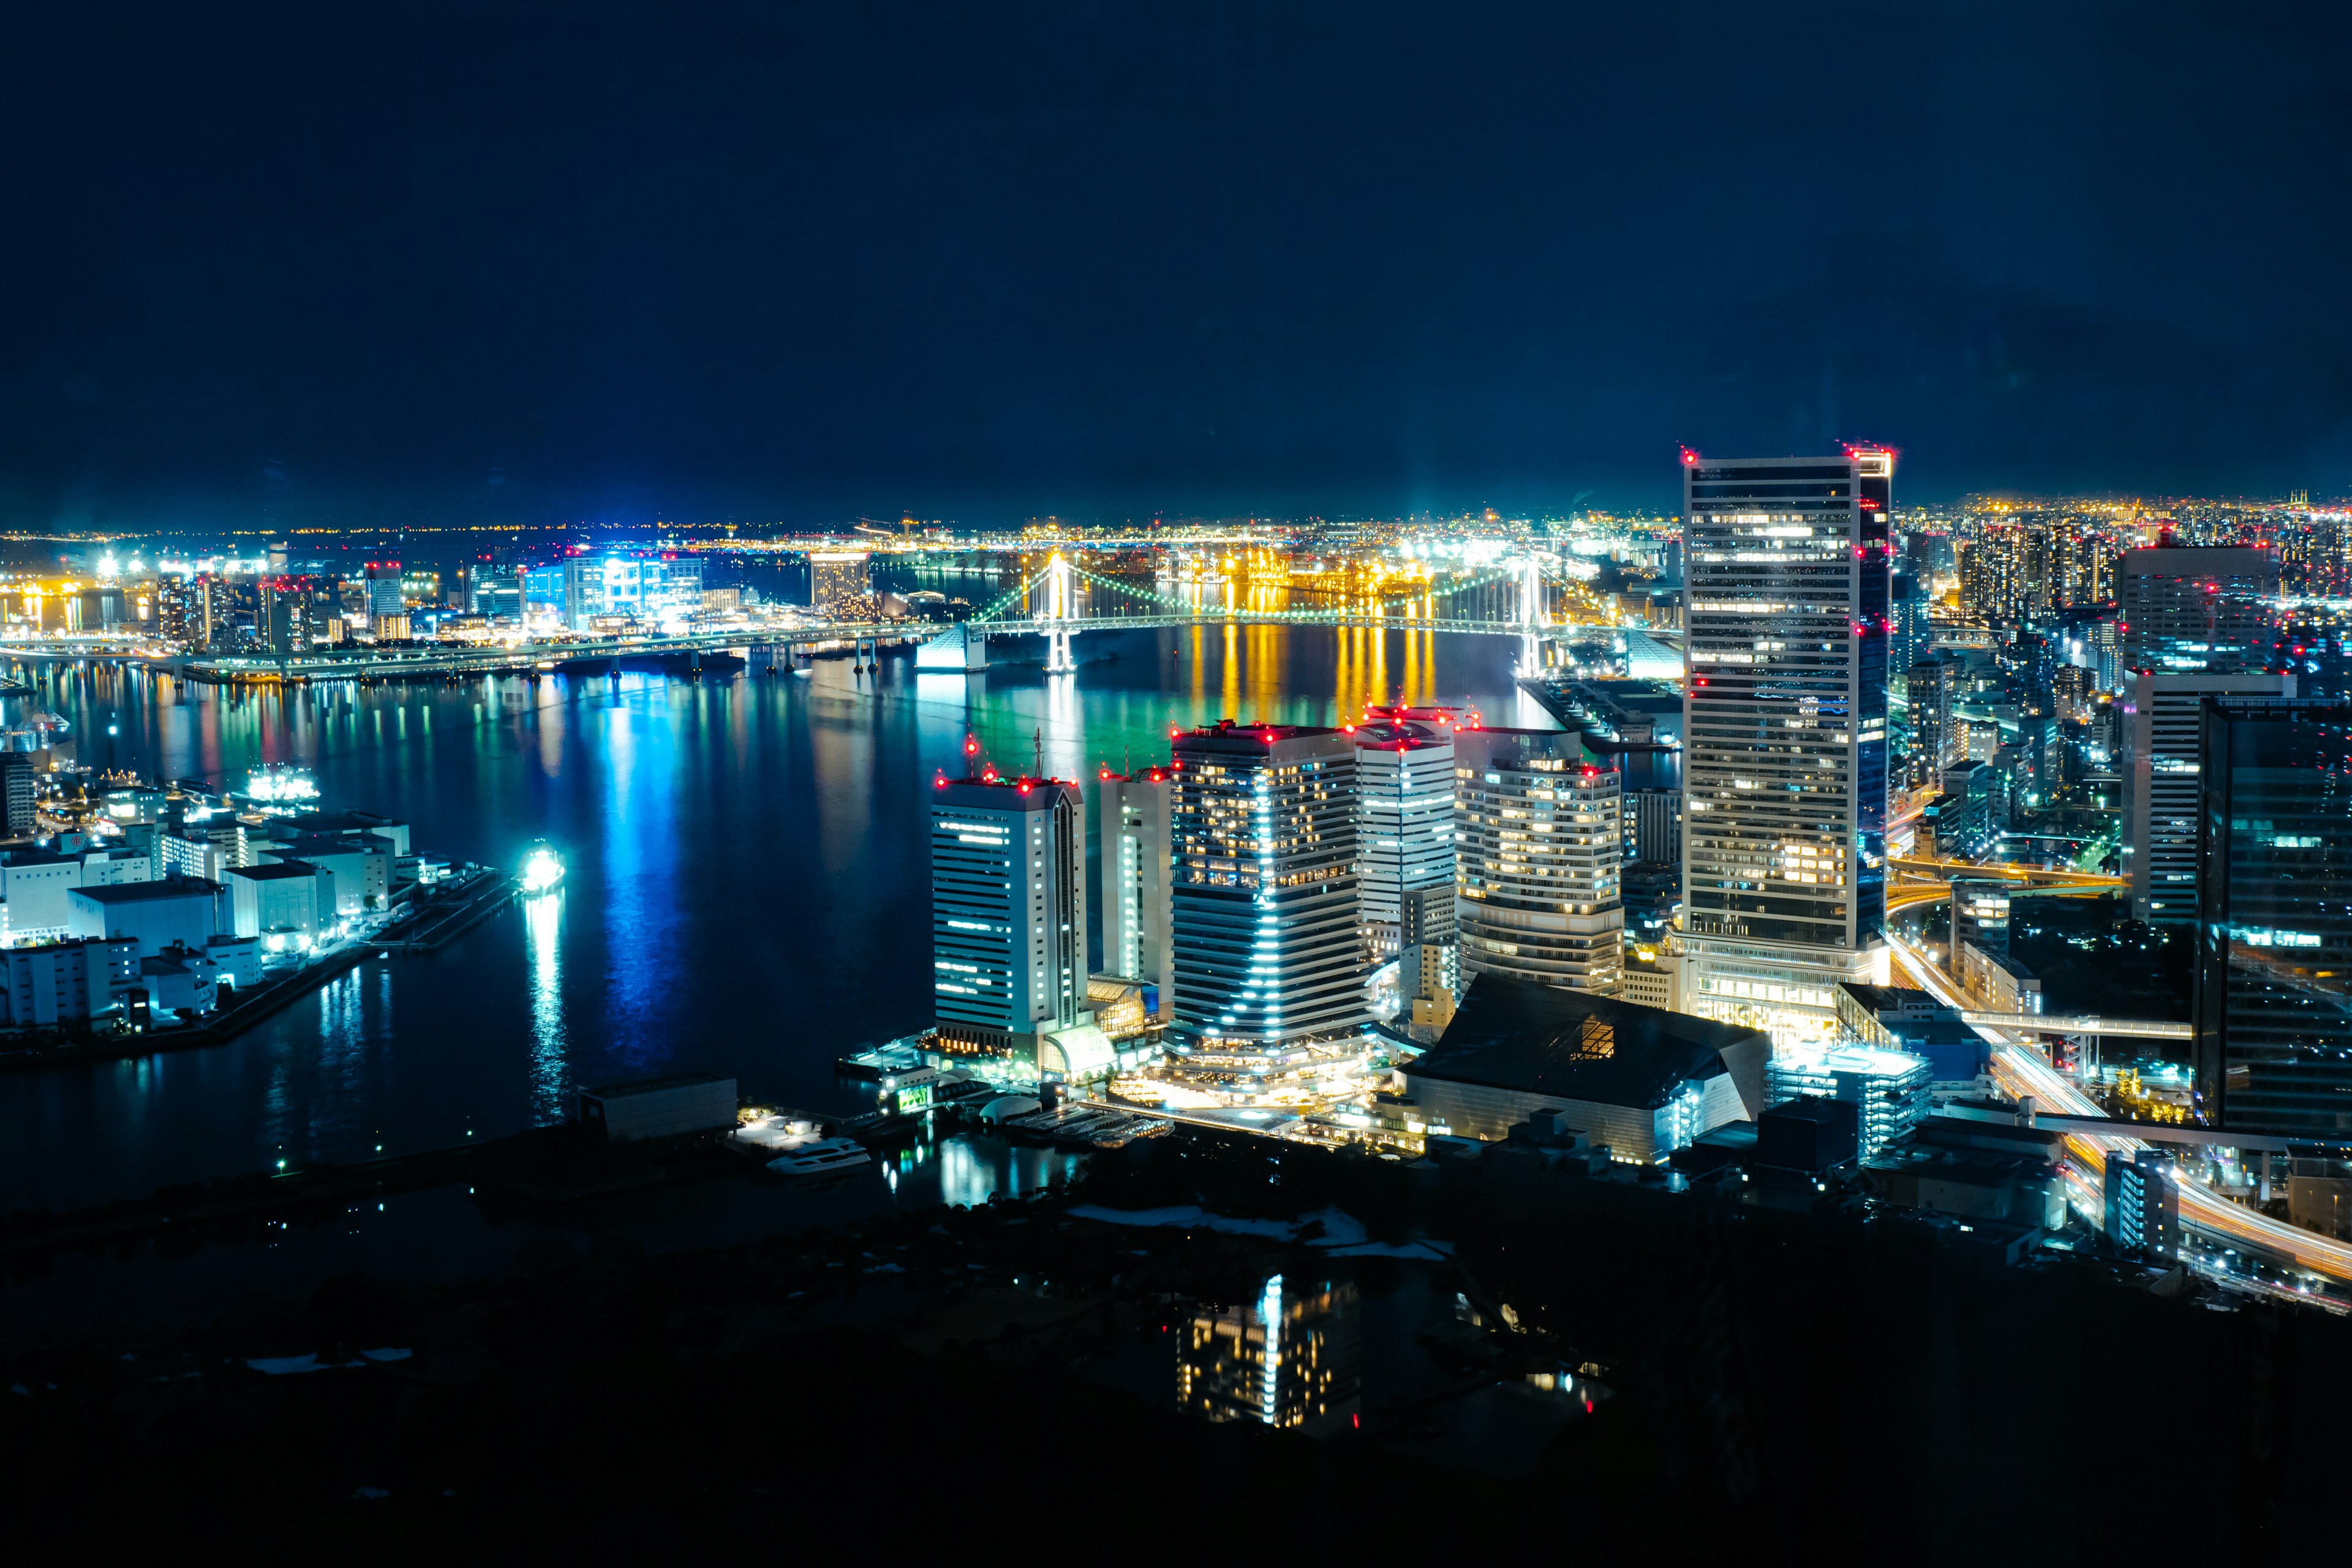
(767, 263)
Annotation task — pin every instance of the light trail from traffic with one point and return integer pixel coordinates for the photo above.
(2022, 1069)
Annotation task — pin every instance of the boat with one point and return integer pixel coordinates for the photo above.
(819, 1156)
(543, 869)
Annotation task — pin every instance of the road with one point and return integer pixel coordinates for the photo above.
(2022, 1069)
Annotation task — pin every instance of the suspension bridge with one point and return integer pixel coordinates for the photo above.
(1532, 597)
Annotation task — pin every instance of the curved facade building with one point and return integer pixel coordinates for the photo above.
(1538, 846)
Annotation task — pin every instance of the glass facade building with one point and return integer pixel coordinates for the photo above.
(1262, 830)
(1008, 909)
(2273, 1012)
(1785, 734)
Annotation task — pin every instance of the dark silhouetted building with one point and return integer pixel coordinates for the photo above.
(2273, 1007)
(1639, 1080)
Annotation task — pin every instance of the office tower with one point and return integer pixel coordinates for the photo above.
(1008, 911)
(1538, 849)
(1264, 839)
(1136, 920)
(1653, 822)
(1908, 643)
(179, 610)
(384, 596)
(839, 582)
(2273, 1015)
(2208, 609)
(2161, 734)
(1405, 822)
(1931, 691)
(19, 790)
(1785, 735)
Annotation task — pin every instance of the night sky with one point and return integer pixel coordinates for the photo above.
(530, 263)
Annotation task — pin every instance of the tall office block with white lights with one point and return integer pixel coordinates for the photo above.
(1008, 911)
(1264, 837)
(1784, 730)
(1404, 819)
(1133, 843)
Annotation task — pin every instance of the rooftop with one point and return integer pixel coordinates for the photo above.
(173, 887)
(994, 792)
(1514, 1034)
(1883, 1000)
(654, 1085)
(277, 871)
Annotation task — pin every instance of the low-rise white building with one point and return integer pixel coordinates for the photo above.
(46, 985)
(36, 885)
(287, 905)
(172, 911)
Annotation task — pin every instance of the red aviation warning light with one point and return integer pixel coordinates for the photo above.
(972, 745)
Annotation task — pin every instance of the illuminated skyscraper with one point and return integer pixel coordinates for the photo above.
(1263, 838)
(2160, 772)
(1008, 911)
(2208, 610)
(1539, 852)
(1404, 817)
(1785, 734)
(839, 581)
(1136, 919)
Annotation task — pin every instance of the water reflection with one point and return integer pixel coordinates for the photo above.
(550, 1062)
(746, 891)
(1292, 1356)
(968, 1170)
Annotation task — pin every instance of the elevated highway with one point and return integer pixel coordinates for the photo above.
(2022, 1070)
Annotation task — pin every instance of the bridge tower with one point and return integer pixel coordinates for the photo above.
(1531, 614)
(1055, 610)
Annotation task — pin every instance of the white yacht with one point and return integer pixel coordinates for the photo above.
(817, 1157)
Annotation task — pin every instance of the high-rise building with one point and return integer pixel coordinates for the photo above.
(1538, 850)
(1405, 822)
(1264, 843)
(179, 611)
(1785, 735)
(2160, 772)
(1654, 826)
(1008, 911)
(1136, 918)
(386, 596)
(18, 796)
(1931, 691)
(1908, 609)
(2272, 1042)
(2208, 609)
(840, 582)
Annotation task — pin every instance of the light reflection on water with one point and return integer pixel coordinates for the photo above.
(746, 887)
(550, 1069)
